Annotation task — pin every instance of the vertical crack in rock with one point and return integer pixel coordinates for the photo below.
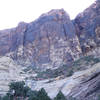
(42, 43)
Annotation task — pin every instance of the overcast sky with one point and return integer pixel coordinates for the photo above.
(14, 11)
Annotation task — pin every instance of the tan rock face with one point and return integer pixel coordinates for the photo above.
(48, 42)
(97, 31)
(53, 39)
(87, 26)
(9, 71)
(90, 85)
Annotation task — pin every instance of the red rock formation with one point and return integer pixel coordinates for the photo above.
(49, 41)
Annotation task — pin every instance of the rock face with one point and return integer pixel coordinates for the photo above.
(53, 39)
(89, 87)
(47, 42)
(9, 71)
(87, 26)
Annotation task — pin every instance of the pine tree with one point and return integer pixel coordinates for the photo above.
(18, 89)
(6, 98)
(0, 98)
(60, 96)
(99, 97)
(71, 98)
(42, 95)
(32, 95)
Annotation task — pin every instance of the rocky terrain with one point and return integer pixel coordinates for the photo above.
(54, 52)
(45, 43)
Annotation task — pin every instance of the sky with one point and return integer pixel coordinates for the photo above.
(14, 11)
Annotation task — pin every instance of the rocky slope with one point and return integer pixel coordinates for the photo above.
(53, 43)
(89, 88)
(86, 83)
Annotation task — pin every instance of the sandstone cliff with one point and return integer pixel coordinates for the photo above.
(57, 44)
(87, 26)
(47, 42)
